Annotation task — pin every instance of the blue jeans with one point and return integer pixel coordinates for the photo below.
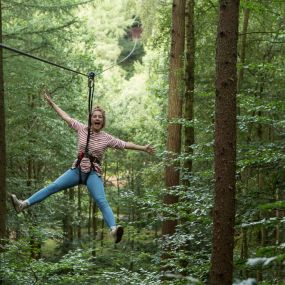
(71, 178)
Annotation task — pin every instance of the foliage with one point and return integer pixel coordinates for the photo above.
(72, 268)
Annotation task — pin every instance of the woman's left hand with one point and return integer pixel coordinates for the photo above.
(149, 149)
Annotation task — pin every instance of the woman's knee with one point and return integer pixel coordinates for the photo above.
(53, 188)
(102, 203)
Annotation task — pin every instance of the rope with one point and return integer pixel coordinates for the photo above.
(125, 58)
(91, 77)
(67, 68)
(90, 103)
(41, 59)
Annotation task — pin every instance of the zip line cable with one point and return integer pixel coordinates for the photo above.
(125, 58)
(63, 67)
(40, 59)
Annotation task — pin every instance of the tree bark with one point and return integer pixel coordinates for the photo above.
(70, 226)
(79, 212)
(243, 47)
(94, 227)
(67, 221)
(2, 146)
(90, 215)
(173, 146)
(35, 241)
(189, 83)
(35, 244)
(174, 106)
(188, 113)
(118, 193)
(225, 144)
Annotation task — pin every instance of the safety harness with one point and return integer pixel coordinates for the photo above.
(92, 159)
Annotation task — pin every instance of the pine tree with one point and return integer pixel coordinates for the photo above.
(172, 175)
(225, 144)
(2, 144)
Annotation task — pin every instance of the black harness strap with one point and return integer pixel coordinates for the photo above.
(86, 153)
(91, 77)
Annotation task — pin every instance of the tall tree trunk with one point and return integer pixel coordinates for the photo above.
(262, 232)
(70, 227)
(174, 105)
(244, 234)
(188, 111)
(176, 71)
(243, 46)
(90, 215)
(244, 244)
(118, 193)
(189, 83)
(132, 189)
(67, 221)
(35, 242)
(278, 235)
(102, 232)
(94, 227)
(225, 144)
(2, 146)
(79, 212)
(278, 216)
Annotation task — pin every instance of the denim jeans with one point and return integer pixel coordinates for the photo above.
(71, 178)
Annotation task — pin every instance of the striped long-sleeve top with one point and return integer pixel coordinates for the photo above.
(98, 143)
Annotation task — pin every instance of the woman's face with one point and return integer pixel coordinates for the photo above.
(97, 121)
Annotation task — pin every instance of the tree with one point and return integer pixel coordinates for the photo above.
(225, 144)
(243, 46)
(174, 104)
(172, 175)
(189, 82)
(2, 144)
(246, 13)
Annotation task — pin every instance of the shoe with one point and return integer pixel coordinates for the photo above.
(117, 233)
(18, 205)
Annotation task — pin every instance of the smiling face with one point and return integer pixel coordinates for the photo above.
(97, 119)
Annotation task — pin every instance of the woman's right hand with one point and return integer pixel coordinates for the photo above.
(58, 110)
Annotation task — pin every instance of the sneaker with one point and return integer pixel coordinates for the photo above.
(117, 233)
(18, 205)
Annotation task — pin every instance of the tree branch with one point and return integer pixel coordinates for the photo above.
(51, 7)
(41, 31)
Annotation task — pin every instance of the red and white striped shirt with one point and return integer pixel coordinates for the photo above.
(98, 143)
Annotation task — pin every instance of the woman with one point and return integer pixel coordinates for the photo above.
(86, 168)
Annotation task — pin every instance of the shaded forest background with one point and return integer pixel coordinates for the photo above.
(63, 240)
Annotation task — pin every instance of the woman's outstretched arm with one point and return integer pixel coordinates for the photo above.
(147, 148)
(59, 111)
